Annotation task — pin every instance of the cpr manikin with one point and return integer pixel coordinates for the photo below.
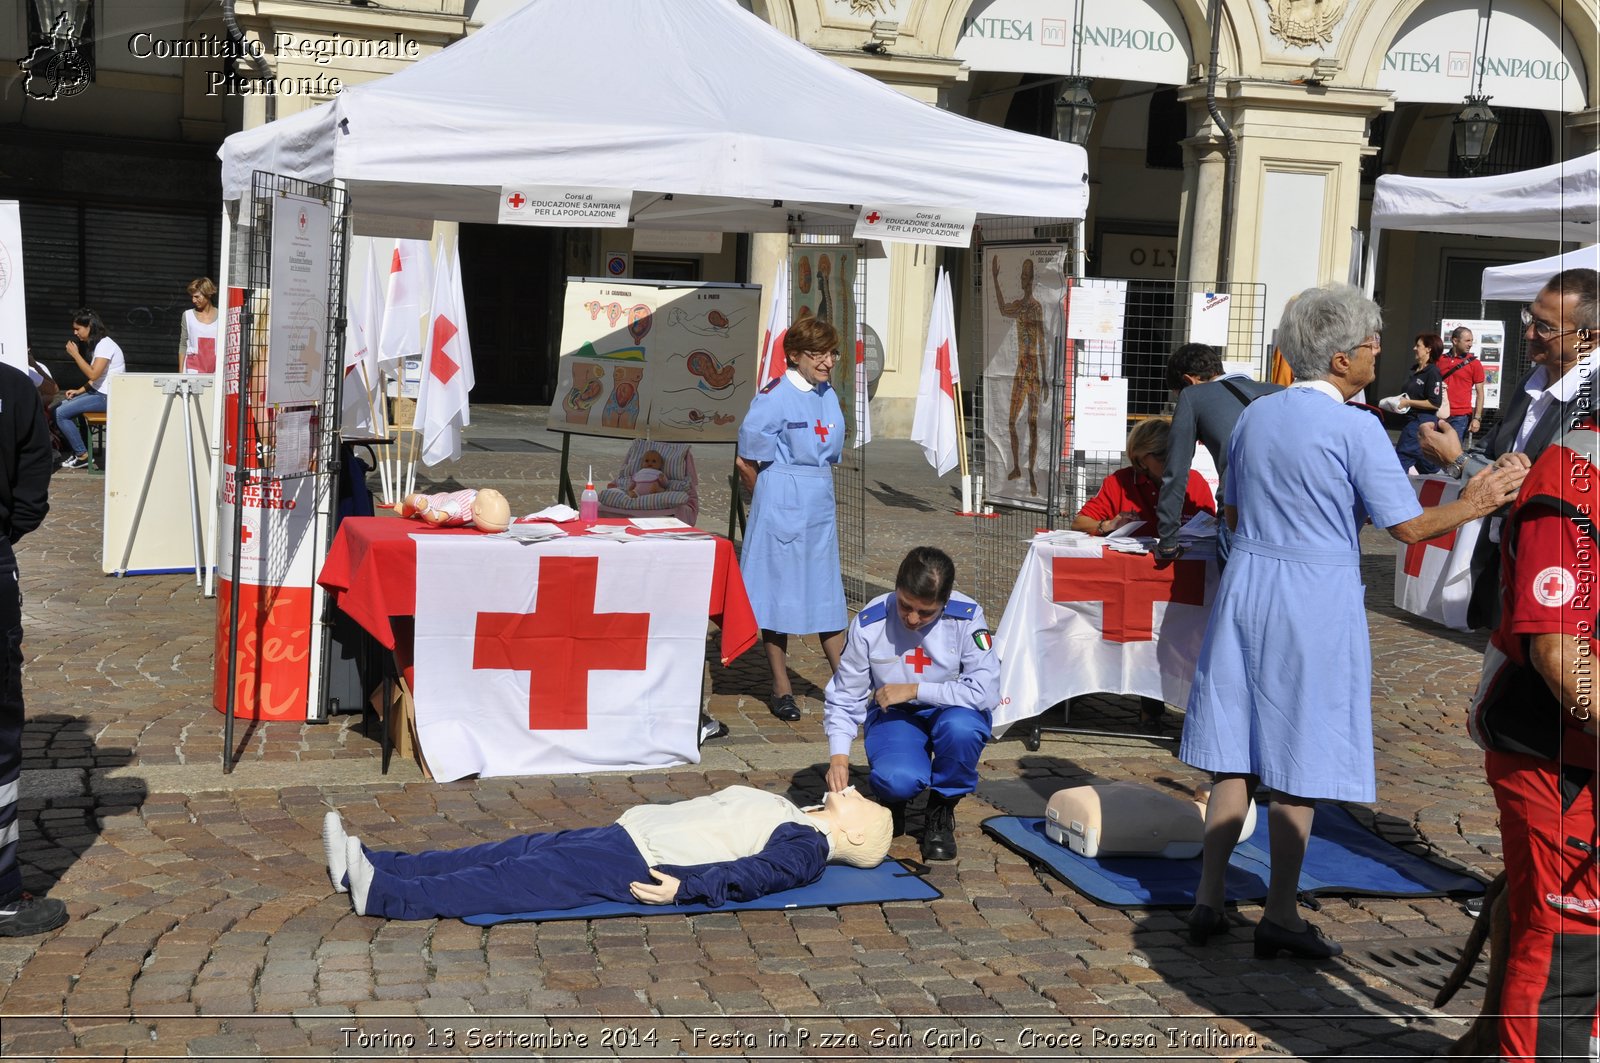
(485, 509)
(1126, 819)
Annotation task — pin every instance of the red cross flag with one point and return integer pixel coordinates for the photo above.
(442, 408)
(578, 656)
(407, 300)
(1433, 579)
(363, 412)
(933, 424)
(1085, 620)
(772, 358)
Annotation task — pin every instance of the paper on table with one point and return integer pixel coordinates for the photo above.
(558, 513)
(1127, 546)
(1200, 526)
(1126, 531)
(530, 533)
(657, 523)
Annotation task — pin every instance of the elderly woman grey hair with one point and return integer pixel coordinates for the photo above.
(1305, 474)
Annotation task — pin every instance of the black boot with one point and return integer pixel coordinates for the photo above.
(939, 828)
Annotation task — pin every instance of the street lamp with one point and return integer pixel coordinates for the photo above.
(1474, 132)
(1075, 109)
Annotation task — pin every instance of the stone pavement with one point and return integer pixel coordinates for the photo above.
(203, 926)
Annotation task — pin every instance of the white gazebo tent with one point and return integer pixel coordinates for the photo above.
(713, 118)
(1559, 203)
(1522, 281)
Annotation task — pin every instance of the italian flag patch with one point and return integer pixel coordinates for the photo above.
(981, 637)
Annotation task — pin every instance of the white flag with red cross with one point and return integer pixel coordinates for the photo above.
(573, 656)
(1083, 620)
(772, 360)
(933, 423)
(442, 395)
(361, 395)
(863, 400)
(1433, 579)
(405, 301)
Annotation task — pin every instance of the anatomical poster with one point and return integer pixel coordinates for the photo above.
(664, 360)
(1022, 329)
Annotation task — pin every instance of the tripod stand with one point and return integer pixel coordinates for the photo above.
(190, 389)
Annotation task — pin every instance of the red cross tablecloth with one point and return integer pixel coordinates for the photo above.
(1083, 619)
(371, 571)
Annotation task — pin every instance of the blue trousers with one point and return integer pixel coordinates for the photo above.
(1460, 425)
(11, 720)
(528, 873)
(911, 748)
(1408, 448)
(90, 401)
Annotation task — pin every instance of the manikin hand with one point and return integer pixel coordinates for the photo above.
(664, 890)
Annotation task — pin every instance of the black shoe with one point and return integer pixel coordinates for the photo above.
(1307, 944)
(784, 708)
(1203, 921)
(897, 816)
(710, 728)
(29, 915)
(939, 829)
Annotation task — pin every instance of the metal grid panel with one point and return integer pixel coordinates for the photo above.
(1155, 321)
(850, 475)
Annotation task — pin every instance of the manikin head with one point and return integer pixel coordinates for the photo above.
(922, 586)
(860, 830)
(652, 459)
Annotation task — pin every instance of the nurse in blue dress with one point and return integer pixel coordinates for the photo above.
(789, 442)
(1283, 689)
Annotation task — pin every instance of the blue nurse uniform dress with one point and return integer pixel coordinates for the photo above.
(1283, 689)
(790, 560)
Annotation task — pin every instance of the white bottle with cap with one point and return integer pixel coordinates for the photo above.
(589, 501)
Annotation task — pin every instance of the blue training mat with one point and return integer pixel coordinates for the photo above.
(1343, 858)
(839, 885)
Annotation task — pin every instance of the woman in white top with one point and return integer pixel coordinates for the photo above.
(197, 343)
(104, 362)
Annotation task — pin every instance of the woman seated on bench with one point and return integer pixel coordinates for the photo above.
(89, 334)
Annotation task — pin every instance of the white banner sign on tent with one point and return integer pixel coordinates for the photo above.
(601, 208)
(917, 225)
(13, 312)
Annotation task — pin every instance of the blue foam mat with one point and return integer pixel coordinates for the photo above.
(839, 885)
(1343, 858)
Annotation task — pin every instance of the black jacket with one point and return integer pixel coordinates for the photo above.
(24, 455)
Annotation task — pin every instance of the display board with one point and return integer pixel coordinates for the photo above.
(1022, 330)
(669, 361)
(157, 537)
(1489, 341)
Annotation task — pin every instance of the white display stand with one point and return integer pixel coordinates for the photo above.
(156, 433)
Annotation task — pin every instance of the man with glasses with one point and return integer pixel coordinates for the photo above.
(1560, 329)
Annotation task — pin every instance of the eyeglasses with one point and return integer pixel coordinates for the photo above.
(822, 356)
(1375, 343)
(1543, 330)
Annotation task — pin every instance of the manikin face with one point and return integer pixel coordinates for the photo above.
(850, 810)
(916, 613)
(652, 460)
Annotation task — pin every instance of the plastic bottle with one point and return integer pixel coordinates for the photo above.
(589, 501)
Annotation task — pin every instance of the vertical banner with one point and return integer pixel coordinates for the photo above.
(822, 284)
(13, 311)
(1022, 330)
(274, 581)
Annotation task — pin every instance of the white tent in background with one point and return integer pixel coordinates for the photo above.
(1521, 281)
(714, 119)
(1559, 203)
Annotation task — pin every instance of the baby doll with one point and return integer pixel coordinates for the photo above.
(651, 476)
(487, 510)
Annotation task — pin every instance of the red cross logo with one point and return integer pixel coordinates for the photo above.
(516, 200)
(245, 534)
(918, 659)
(561, 642)
(1432, 491)
(822, 433)
(1128, 585)
(441, 365)
(1554, 587)
(872, 219)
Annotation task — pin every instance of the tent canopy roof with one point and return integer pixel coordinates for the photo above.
(715, 119)
(1523, 281)
(1558, 203)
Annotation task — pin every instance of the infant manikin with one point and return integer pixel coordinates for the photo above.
(486, 509)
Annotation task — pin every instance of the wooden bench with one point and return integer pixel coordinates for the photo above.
(94, 438)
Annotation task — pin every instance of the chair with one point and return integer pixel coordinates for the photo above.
(681, 499)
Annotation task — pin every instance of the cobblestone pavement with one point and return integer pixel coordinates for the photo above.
(202, 923)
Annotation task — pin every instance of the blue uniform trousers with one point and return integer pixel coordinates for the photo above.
(531, 872)
(911, 748)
